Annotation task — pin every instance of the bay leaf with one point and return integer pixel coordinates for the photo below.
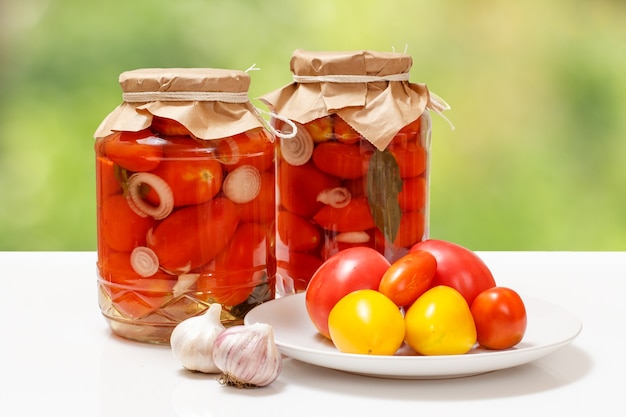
(383, 186)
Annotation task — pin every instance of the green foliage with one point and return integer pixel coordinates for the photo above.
(537, 89)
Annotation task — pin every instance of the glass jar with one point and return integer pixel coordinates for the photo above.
(357, 171)
(185, 202)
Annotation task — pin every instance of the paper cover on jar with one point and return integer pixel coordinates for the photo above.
(210, 103)
(369, 90)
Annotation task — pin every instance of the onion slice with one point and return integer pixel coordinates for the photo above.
(353, 237)
(228, 151)
(160, 187)
(184, 283)
(337, 197)
(298, 149)
(243, 184)
(144, 261)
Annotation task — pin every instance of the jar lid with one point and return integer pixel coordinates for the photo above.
(191, 80)
(369, 90)
(211, 103)
(363, 63)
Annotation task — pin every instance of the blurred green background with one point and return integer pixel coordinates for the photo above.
(538, 93)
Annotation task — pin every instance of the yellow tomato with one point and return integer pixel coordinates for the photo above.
(366, 322)
(440, 322)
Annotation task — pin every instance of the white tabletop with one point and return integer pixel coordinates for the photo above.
(59, 357)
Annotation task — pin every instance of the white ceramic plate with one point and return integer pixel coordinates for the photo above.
(549, 328)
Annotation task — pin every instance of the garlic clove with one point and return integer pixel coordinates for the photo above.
(247, 356)
(192, 340)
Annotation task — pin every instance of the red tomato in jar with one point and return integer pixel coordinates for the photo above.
(131, 294)
(296, 232)
(412, 159)
(191, 182)
(238, 268)
(122, 228)
(349, 270)
(413, 195)
(411, 230)
(299, 266)
(299, 186)
(261, 208)
(500, 317)
(458, 267)
(408, 277)
(107, 178)
(344, 133)
(192, 236)
(356, 216)
(342, 160)
(134, 151)
(254, 147)
(168, 127)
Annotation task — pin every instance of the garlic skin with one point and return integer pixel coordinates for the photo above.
(192, 340)
(247, 356)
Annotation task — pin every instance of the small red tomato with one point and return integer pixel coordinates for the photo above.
(296, 232)
(349, 270)
(408, 277)
(192, 236)
(458, 267)
(122, 228)
(500, 317)
(342, 160)
(134, 151)
(191, 181)
(236, 270)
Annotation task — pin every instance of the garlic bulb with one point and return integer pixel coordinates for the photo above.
(247, 356)
(193, 339)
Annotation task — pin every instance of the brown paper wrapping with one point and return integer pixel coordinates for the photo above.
(204, 119)
(377, 110)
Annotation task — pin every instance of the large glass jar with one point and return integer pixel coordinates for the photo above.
(357, 171)
(185, 202)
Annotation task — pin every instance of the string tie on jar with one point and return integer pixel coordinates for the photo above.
(346, 79)
(149, 96)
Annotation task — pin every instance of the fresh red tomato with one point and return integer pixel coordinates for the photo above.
(500, 317)
(349, 270)
(458, 267)
(408, 277)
